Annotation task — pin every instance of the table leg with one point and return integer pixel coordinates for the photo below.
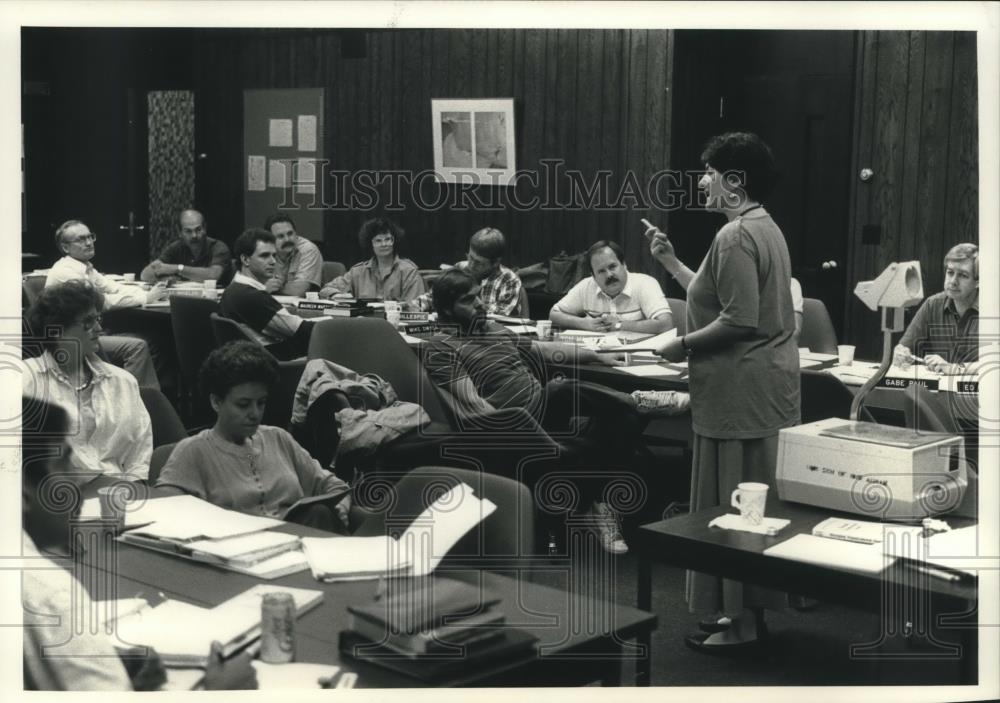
(643, 668)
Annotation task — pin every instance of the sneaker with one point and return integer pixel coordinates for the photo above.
(610, 531)
(661, 402)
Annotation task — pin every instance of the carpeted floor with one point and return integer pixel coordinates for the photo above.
(805, 649)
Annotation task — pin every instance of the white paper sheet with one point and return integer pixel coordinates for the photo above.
(256, 173)
(307, 133)
(278, 175)
(651, 371)
(305, 171)
(279, 133)
(832, 552)
(292, 674)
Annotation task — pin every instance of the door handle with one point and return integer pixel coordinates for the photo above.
(132, 227)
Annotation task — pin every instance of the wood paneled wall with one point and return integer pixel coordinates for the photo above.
(595, 99)
(916, 127)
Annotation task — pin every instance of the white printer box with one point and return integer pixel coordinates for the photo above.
(879, 471)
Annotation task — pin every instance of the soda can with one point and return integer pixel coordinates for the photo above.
(277, 628)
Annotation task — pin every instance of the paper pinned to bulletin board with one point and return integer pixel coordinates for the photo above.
(283, 147)
(307, 132)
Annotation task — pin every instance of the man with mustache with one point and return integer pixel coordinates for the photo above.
(247, 301)
(613, 299)
(193, 257)
(298, 267)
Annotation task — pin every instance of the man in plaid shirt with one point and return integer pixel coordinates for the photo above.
(499, 286)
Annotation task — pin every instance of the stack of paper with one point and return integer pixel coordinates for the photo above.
(195, 529)
(182, 633)
(832, 552)
(862, 531)
(418, 550)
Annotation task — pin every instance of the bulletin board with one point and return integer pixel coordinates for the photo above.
(282, 141)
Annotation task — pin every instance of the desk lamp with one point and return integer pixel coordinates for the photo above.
(898, 287)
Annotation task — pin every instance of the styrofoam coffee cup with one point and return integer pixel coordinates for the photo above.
(129, 277)
(845, 354)
(544, 328)
(751, 500)
(209, 283)
(312, 295)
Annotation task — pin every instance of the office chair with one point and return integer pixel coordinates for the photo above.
(331, 269)
(167, 425)
(503, 541)
(194, 340)
(158, 461)
(817, 328)
(494, 441)
(523, 305)
(825, 395)
(279, 402)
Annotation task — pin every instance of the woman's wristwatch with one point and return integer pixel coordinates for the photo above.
(684, 345)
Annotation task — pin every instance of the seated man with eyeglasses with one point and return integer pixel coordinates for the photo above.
(78, 244)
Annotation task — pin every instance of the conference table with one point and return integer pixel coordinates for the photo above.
(909, 601)
(579, 639)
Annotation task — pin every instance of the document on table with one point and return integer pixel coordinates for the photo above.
(832, 552)
(187, 517)
(417, 552)
(956, 550)
(651, 371)
(292, 674)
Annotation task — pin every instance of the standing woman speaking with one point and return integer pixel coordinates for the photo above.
(743, 365)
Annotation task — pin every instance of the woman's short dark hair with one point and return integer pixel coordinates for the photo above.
(380, 225)
(745, 154)
(448, 288)
(61, 306)
(596, 247)
(246, 243)
(234, 363)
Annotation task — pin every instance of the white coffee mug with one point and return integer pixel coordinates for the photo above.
(750, 498)
(845, 354)
(129, 277)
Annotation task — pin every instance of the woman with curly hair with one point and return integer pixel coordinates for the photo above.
(110, 431)
(240, 464)
(385, 275)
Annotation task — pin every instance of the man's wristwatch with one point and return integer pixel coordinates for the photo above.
(180, 268)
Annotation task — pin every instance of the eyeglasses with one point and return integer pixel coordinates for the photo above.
(83, 239)
(383, 239)
(91, 322)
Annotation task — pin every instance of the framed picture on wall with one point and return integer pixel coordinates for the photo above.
(473, 140)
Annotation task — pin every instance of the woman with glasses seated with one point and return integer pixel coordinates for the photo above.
(242, 465)
(110, 430)
(385, 275)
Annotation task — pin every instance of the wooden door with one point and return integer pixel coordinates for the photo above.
(794, 89)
